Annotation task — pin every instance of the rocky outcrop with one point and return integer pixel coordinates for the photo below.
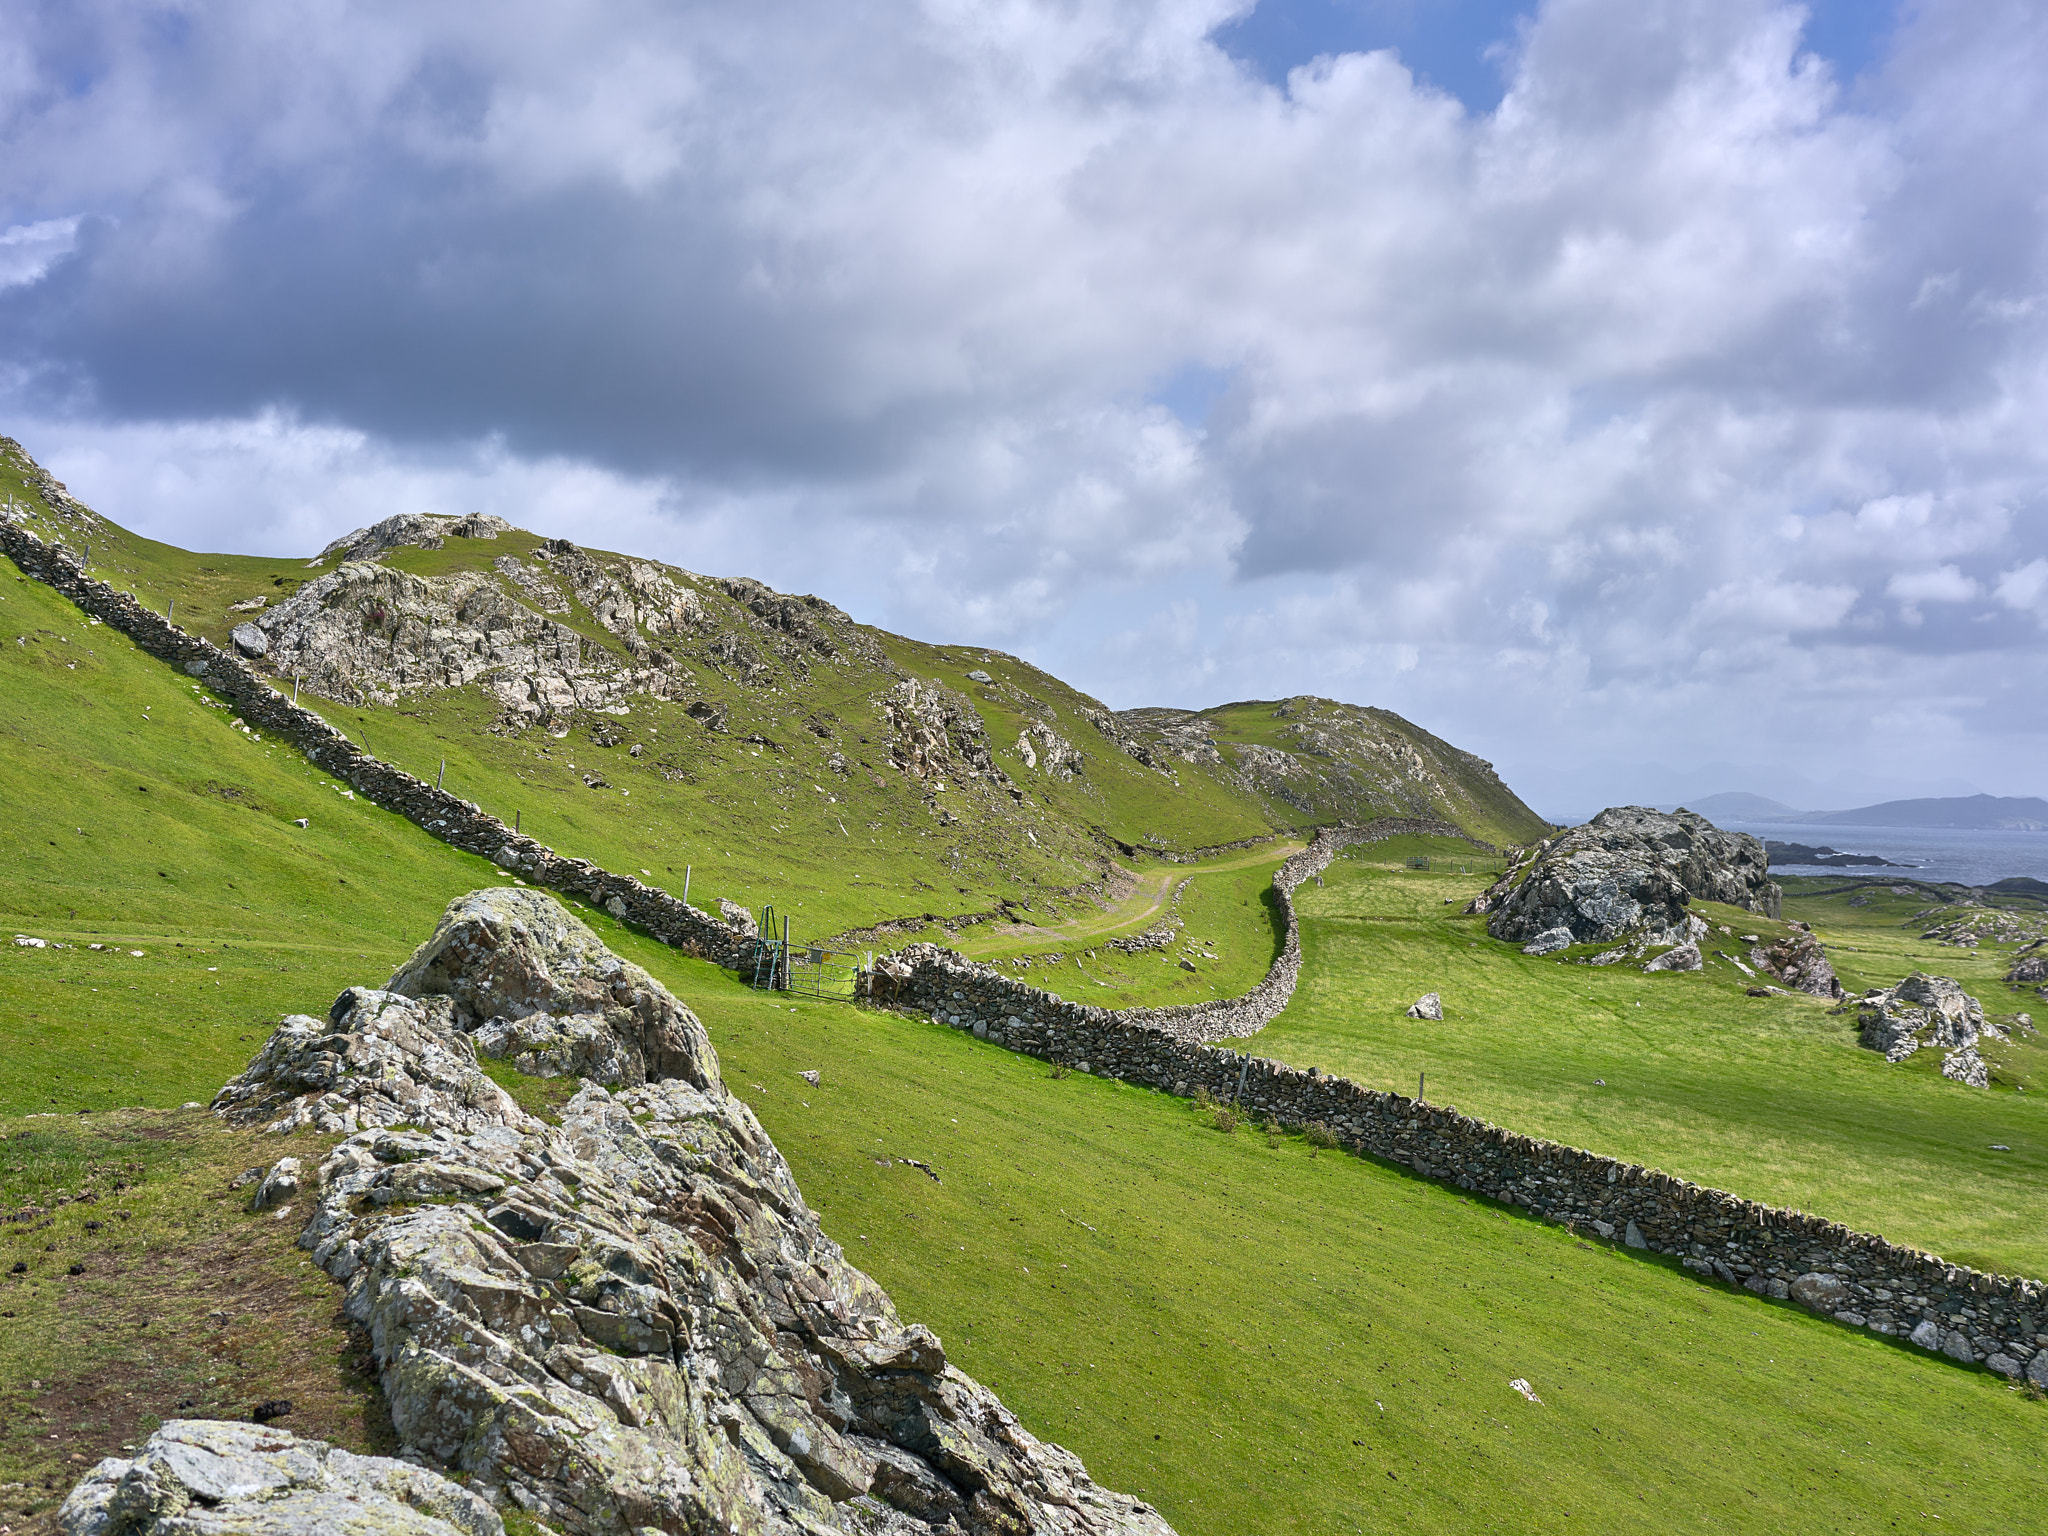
(1924, 1011)
(199, 1477)
(1045, 749)
(421, 530)
(2029, 964)
(629, 1320)
(1799, 962)
(935, 732)
(1628, 874)
(367, 632)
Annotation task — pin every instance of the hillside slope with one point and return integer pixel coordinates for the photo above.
(1248, 1331)
(654, 719)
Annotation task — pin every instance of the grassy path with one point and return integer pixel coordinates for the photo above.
(1133, 914)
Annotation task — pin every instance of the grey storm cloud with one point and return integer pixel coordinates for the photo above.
(1691, 392)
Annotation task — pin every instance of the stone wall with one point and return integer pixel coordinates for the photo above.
(453, 820)
(1855, 1277)
(907, 976)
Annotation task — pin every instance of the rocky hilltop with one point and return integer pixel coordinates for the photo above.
(1626, 876)
(1322, 759)
(630, 1320)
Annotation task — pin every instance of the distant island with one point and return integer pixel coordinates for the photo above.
(1975, 813)
(1981, 813)
(1830, 858)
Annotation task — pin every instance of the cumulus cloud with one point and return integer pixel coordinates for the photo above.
(1681, 381)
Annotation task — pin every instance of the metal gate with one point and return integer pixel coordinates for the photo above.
(783, 964)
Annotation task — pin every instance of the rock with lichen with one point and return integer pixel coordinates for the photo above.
(629, 1319)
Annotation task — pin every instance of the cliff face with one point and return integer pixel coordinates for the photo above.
(629, 1320)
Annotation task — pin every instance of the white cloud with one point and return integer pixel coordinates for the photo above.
(27, 251)
(1943, 584)
(2026, 587)
(1679, 382)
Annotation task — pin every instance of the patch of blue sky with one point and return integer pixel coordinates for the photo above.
(1191, 392)
(1465, 47)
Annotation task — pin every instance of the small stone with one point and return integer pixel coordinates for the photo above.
(1428, 1006)
(1956, 1345)
(279, 1184)
(1820, 1292)
(1680, 957)
(1633, 1236)
(1927, 1335)
(2037, 1370)
(250, 640)
(810, 1076)
(1549, 942)
(2004, 1364)
(302, 821)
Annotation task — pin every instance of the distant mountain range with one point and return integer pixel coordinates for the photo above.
(1980, 813)
(1741, 806)
(1984, 813)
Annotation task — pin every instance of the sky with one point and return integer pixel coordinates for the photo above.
(1646, 397)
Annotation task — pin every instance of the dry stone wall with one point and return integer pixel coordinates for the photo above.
(1857, 1278)
(456, 821)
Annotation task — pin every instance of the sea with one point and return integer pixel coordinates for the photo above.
(1967, 857)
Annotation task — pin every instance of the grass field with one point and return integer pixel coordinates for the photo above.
(1769, 1097)
(1260, 1338)
(1255, 1336)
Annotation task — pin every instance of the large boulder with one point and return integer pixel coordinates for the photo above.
(1925, 1010)
(1629, 873)
(210, 1476)
(1799, 962)
(630, 1319)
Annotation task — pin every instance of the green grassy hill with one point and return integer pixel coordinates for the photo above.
(1254, 1334)
(793, 782)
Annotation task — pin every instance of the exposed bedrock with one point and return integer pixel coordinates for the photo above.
(1928, 1011)
(209, 1477)
(630, 1320)
(1629, 873)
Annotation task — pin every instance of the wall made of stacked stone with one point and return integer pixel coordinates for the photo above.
(459, 822)
(1858, 1278)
